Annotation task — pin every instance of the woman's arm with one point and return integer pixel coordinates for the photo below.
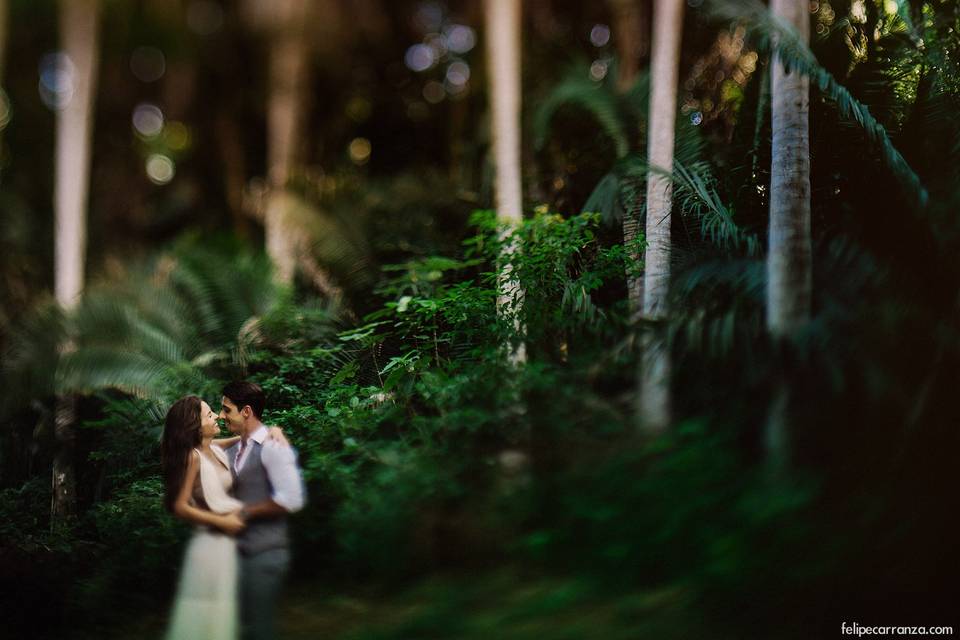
(231, 522)
(226, 443)
(276, 433)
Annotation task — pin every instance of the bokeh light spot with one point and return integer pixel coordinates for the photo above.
(148, 64)
(160, 169)
(358, 109)
(599, 35)
(359, 150)
(148, 120)
(420, 57)
(459, 38)
(56, 80)
(458, 73)
(429, 16)
(598, 70)
(177, 136)
(438, 43)
(204, 17)
(433, 92)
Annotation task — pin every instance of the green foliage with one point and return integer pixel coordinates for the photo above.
(165, 327)
(771, 34)
(427, 452)
(599, 100)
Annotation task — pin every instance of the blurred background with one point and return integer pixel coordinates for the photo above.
(309, 194)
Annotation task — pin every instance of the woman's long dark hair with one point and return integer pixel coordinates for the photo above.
(181, 435)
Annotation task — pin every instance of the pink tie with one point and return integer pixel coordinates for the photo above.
(236, 463)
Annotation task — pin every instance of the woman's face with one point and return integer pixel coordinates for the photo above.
(208, 422)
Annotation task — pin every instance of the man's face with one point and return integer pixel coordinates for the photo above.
(232, 415)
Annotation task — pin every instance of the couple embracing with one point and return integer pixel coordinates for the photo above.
(237, 492)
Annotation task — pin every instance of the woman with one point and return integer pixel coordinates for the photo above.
(197, 480)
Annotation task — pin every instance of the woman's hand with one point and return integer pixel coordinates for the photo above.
(232, 523)
(276, 434)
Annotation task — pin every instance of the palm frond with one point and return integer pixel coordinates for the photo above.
(695, 191)
(597, 99)
(31, 353)
(720, 298)
(772, 34)
(606, 198)
(104, 367)
(334, 240)
(167, 324)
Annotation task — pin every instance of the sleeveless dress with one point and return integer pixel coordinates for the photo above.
(205, 607)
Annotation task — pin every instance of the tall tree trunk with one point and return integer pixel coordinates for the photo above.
(4, 18)
(789, 261)
(789, 276)
(79, 31)
(502, 20)
(631, 33)
(4, 100)
(665, 71)
(289, 77)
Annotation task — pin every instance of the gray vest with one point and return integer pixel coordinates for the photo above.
(251, 486)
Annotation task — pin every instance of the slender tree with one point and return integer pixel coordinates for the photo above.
(295, 30)
(789, 261)
(79, 32)
(4, 19)
(631, 33)
(4, 105)
(288, 79)
(287, 26)
(665, 70)
(502, 20)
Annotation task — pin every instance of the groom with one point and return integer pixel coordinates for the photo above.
(268, 481)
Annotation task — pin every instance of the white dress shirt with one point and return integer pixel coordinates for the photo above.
(280, 462)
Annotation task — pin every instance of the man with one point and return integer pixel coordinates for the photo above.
(268, 481)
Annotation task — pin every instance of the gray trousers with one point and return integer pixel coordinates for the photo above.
(261, 579)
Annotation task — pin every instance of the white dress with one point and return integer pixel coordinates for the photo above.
(205, 607)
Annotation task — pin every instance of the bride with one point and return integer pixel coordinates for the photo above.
(197, 480)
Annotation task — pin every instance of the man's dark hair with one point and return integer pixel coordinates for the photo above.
(243, 393)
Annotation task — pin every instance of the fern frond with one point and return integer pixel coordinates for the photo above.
(601, 102)
(772, 34)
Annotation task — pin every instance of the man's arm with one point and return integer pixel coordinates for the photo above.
(280, 463)
(183, 508)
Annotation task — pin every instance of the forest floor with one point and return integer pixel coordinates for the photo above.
(498, 604)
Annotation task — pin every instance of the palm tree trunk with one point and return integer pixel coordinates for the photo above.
(665, 71)
(789, 279)
(632, 220)
(63, 500)
(79, 31)
(789, 261)
(4, 100)
(502, 19)
(79, 20)
(289, 74)
(4, 19)
(631, 26)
